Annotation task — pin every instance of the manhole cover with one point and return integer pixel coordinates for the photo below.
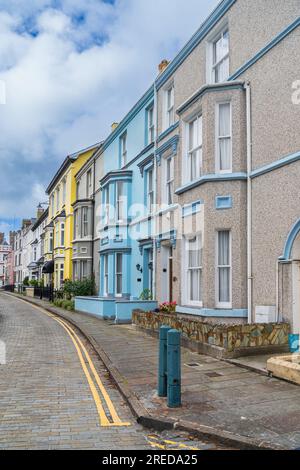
(213, 374)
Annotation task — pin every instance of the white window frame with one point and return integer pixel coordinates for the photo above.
(151, 126)
(84, 222)
(50, 242)
(218, 138)
(169, 110)
(57, 239)
(106, 205)
(61, 274)
(105, 275)
(150, 192)
(57, 198)
(82, 274)
(120, 201)
(186, 269)
(64, 192)
(118, 274)
(168, 182)
(62, 234)
(224, 305)
(216, 64)
(123, 149)
(89, 183)
(187, 177)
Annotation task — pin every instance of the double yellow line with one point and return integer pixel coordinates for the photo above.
(106, 419)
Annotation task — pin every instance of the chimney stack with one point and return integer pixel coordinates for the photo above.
(40, 211)
(163, 65)
(1, 238)
(114, 126)
(11, 238)
(26, 223)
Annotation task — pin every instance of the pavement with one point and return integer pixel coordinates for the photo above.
(226, 402)
(46, 401)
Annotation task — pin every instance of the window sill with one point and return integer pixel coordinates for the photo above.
(209, 178)
(167, 131)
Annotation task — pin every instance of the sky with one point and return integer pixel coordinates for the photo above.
(69, 69)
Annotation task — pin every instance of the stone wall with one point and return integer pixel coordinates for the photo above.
(218, 340)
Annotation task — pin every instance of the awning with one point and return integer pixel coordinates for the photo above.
(48, 267)
(32, 265)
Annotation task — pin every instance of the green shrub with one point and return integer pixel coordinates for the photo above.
(26, 281)
(34, 283)
(79, 288)
(146, 295)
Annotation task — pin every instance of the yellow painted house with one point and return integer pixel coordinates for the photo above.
(59, 230)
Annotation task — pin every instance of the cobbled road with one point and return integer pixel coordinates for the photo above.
(45, 398)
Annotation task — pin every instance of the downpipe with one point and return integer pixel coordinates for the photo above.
(249, 202)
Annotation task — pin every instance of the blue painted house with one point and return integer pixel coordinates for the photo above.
(126, 222)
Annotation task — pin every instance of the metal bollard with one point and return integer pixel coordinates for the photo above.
(174, 369)
(162, 361)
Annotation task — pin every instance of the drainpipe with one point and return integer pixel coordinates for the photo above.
(93, 217)
(155, 192)
(277, 291)
(249, 201)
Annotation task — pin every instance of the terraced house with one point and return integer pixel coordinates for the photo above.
(123, 216)
(86, 208)
(59, 229)
(193, 197)
(220, 119)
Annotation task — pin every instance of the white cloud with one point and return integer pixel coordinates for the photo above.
(70, 72)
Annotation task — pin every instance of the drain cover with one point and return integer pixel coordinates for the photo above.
(193, 364)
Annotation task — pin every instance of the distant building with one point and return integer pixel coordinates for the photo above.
(5, 250)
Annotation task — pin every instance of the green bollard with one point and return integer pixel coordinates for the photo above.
(174, 369)
(162, 361)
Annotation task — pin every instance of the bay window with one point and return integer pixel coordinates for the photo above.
(224, 138)
(224, 269)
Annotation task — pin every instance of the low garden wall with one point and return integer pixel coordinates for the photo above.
(216, 339)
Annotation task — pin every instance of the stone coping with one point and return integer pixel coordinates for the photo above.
(285, 367)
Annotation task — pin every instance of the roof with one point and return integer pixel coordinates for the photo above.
(66, 163)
